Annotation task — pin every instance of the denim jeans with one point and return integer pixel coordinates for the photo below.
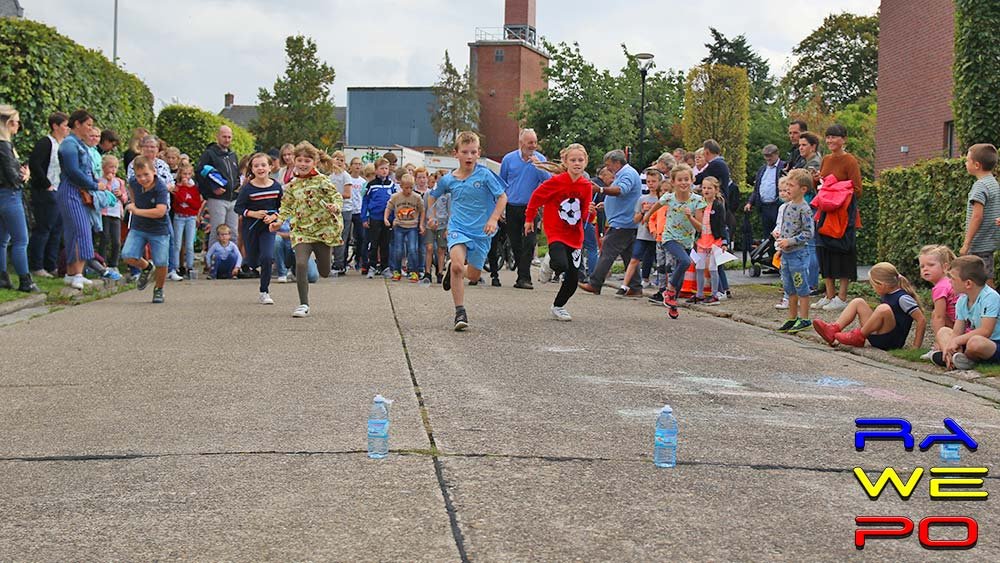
(682, 261)
(590, 247)
(184, 228)
(13, 227)
(405, 240)
(813, 276)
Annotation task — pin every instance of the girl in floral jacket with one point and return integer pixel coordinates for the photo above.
(312, 204)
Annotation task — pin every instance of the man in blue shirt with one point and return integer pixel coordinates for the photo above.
(619, 206)
(522, 177)
(765, 189)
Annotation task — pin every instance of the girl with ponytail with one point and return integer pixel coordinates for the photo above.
(888, 325)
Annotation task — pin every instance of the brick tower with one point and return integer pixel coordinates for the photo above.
(506, 64)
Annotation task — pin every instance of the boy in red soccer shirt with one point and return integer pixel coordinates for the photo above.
(566, 201)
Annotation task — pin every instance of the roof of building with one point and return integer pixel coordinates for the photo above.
(11, 8)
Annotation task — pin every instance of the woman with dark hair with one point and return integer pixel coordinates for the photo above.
(838, 255)
(13, 223)
(76, 178)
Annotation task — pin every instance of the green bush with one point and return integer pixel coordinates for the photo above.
(918, 205)
(867, 240)
(976, 72)
(43, 72)
(191, 130)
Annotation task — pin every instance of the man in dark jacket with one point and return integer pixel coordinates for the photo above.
(795, 160)
(765, 189)
(220, 200)
(716, 165)
(46, 235)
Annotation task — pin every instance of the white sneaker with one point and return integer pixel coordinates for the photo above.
(962, 362)
(282, 279)
(86, 280)
(561, 314)
(173, 276)
(721, 296)
(823, 302)
(265, 299)
(783, 305)
(42, 274)
(68, 279)
(301, 312)
(77, 282)
(371, 274)
(836, 304)
(928, 355)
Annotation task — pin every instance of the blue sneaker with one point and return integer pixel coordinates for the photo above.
(111, 274)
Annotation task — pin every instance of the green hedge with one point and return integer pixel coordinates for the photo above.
(43, 71)
(191, 130)
(976, 72)
(869, 208)
(918, 205)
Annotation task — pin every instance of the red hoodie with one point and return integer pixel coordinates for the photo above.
(187, 200)
(566, 207)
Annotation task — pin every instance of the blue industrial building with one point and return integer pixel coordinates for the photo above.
(387, 116)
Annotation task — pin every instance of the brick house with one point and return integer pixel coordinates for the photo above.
(916, 52)
(505, 64)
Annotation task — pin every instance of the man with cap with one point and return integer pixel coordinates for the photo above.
(765, 189)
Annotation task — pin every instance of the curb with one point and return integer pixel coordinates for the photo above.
(24, 303)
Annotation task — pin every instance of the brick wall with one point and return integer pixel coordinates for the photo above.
(501, 84)
(916, 51)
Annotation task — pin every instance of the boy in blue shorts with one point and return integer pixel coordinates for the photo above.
(478, 199)
(148, 206)
(976, 334)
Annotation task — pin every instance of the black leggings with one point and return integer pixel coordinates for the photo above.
(259, 244)
(565, 260)
(378, 238)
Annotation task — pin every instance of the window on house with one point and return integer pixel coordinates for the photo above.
(949, 139)
(498, 56)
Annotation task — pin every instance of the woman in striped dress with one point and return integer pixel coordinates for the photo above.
(76, 173)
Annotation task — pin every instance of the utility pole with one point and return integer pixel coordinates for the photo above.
(115, 48)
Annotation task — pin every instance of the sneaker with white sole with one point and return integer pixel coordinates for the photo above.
(962, 362)
(561, 314)
(929, 355)
(835, 304)
(265, 299)
(301, 312)
(174, 276)
(823, 302)
(282, 279)
(783, 305)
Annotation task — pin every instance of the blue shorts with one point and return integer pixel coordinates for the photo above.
(135, 246)
(894, 340)
(644, 250)
(794, 272)
(476, 248)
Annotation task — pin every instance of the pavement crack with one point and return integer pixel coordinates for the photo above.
(449, 504)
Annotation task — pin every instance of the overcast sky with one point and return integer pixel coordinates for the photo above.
(197, 50)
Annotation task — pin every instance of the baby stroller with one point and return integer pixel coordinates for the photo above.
(762, 258)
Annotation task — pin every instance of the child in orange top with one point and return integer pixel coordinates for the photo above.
(566, 201)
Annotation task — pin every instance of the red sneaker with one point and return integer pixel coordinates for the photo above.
(826, 331)
(853, 338)
(670, 299)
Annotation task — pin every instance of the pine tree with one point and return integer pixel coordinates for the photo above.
(457, 107)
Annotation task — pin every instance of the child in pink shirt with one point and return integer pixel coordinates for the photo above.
(934, 263)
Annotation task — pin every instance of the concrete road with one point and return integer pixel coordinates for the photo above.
(215, 428)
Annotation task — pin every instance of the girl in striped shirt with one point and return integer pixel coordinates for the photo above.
(258, 204)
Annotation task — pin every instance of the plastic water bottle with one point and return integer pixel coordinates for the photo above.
(378, 428)
(951, 452)
(665, 447)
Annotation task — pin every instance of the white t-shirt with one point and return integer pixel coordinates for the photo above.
(340, 180)
(357, 192)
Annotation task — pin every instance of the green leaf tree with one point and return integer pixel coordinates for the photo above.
(977, 72)
(301, 107)
(717, 106)
(599, 109)
(737, 52)
(841, 57)
(457, 107)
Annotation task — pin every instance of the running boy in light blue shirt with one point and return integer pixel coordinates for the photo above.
(478, 199)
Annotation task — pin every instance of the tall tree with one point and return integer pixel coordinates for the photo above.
(457, 103)
(301, 107)
(841, 57)
(737, 52)
(599, 109)
(717, 106)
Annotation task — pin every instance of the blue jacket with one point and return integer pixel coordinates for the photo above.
(377, 194)
(75, 166)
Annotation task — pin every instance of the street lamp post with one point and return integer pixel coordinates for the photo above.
(645, 63)
(114, 52)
